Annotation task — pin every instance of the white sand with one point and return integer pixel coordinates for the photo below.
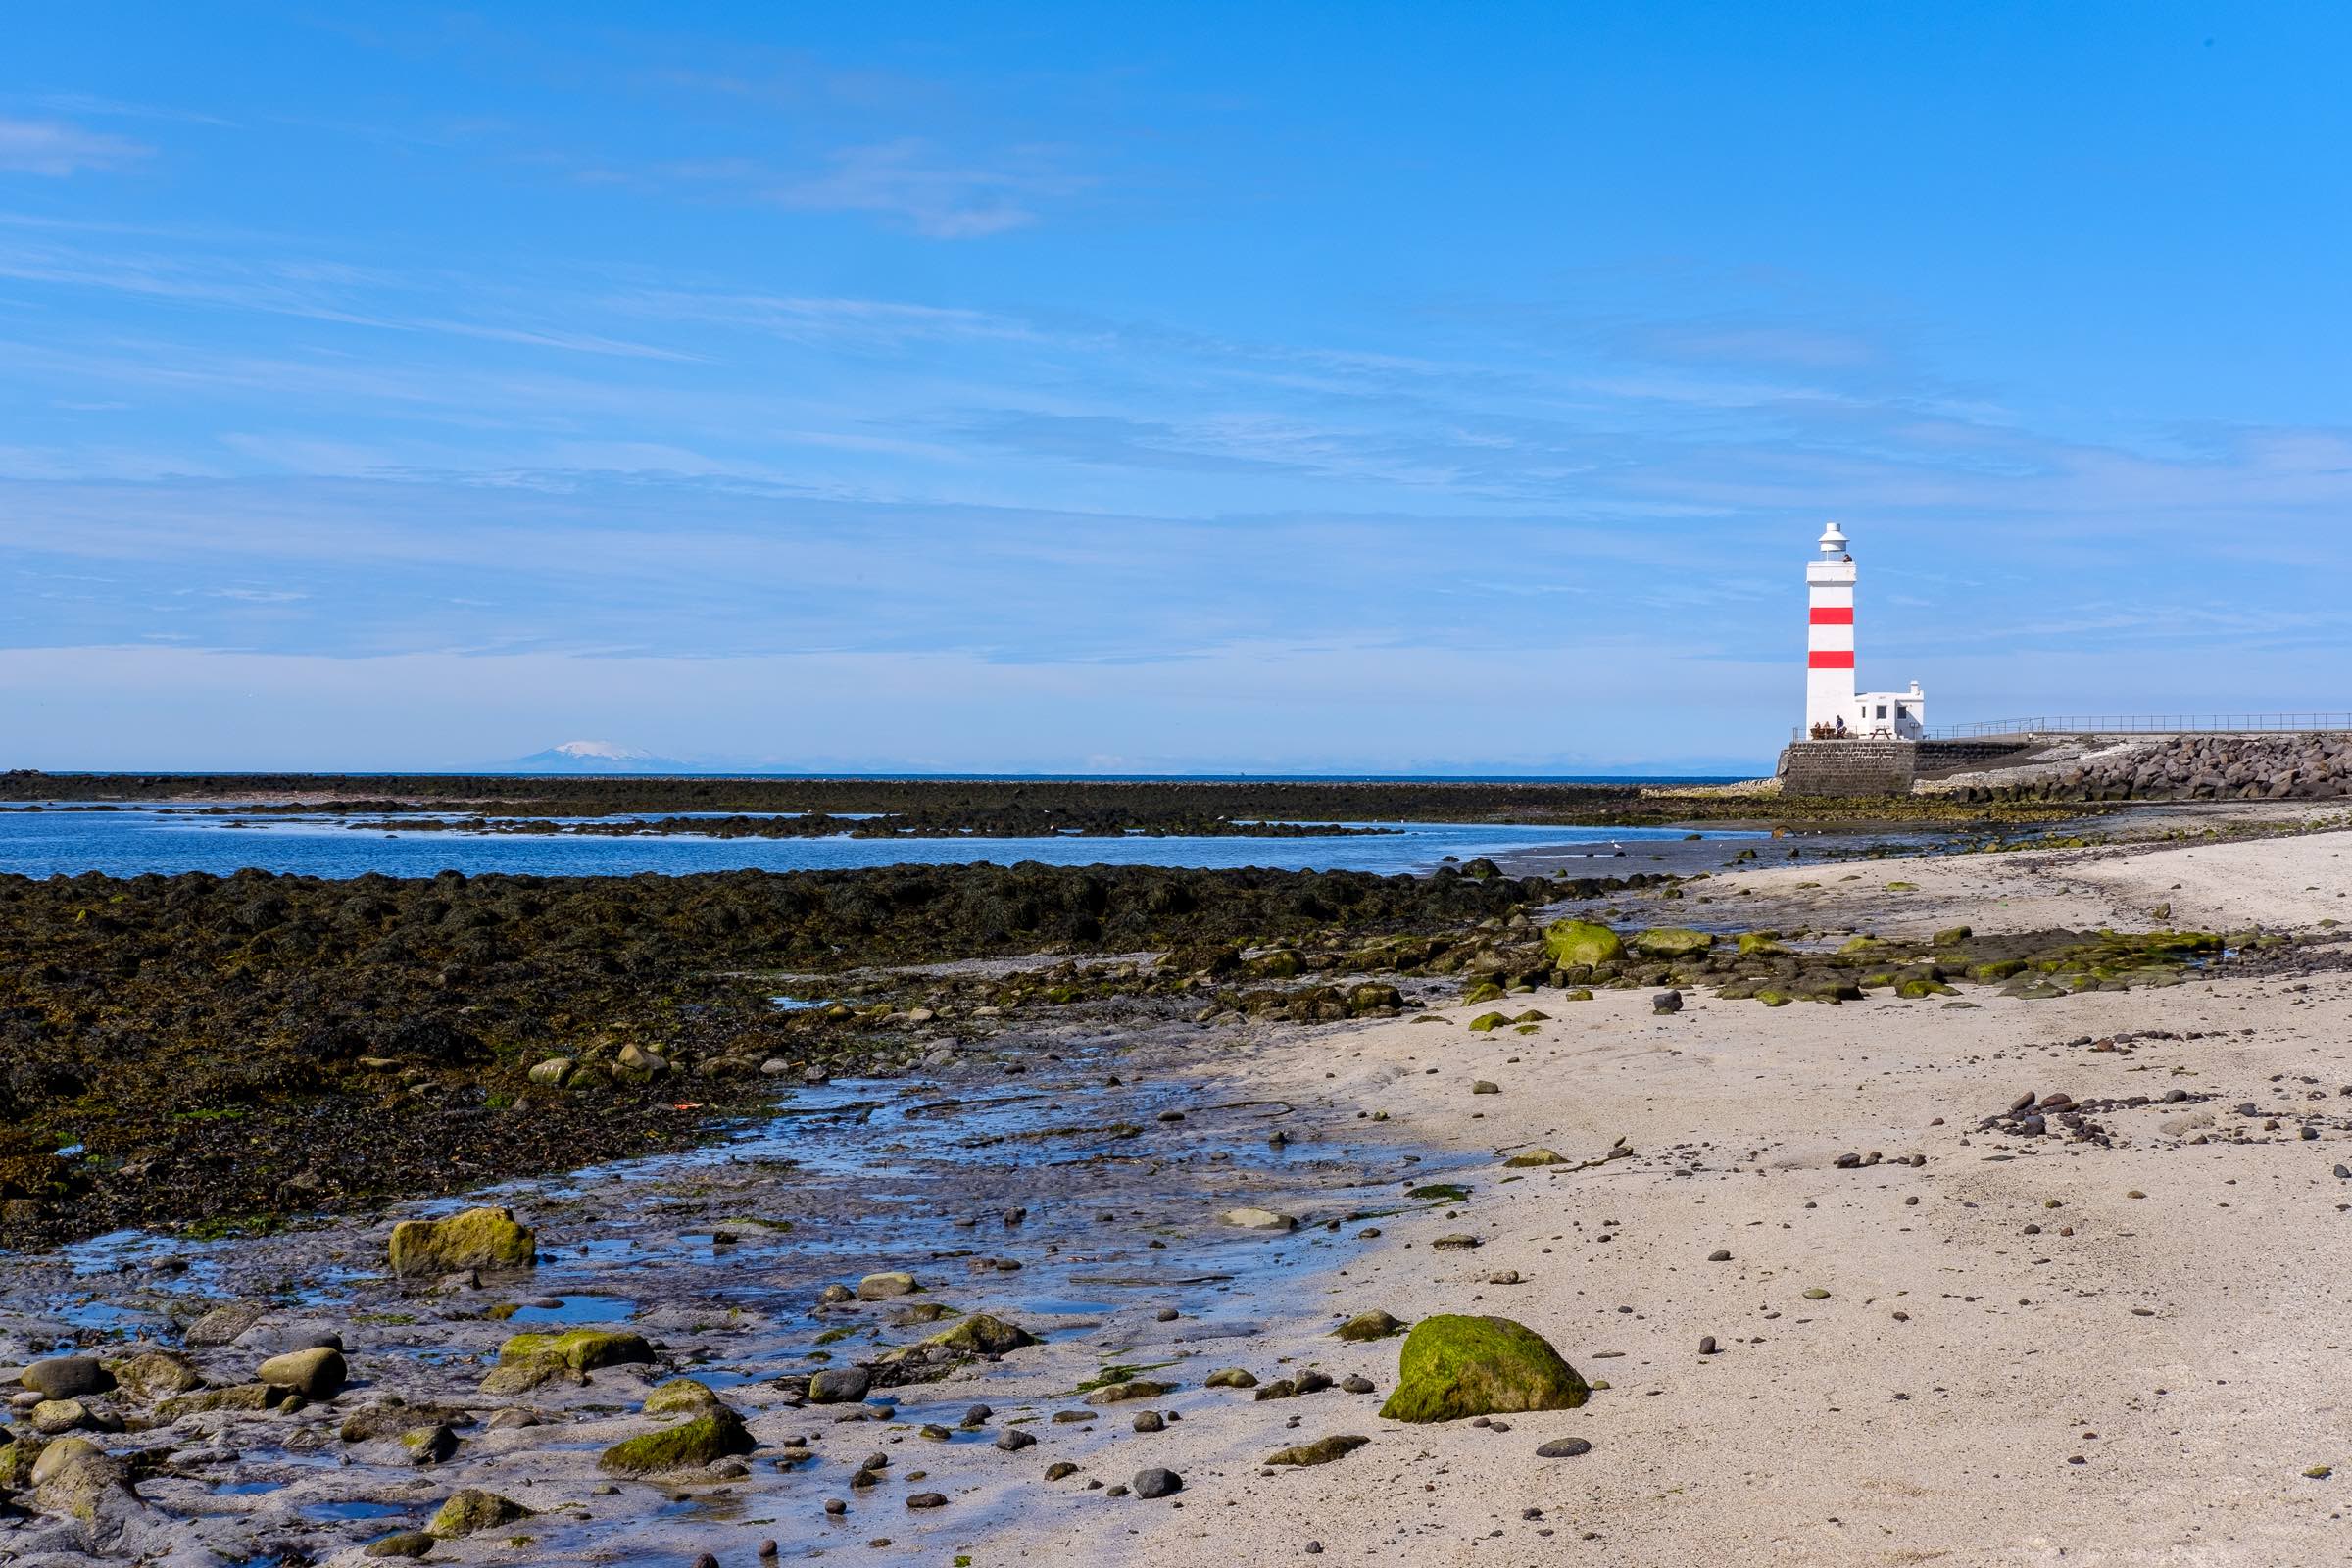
(1829, 1432)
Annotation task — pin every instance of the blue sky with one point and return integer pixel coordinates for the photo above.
(1137, 388)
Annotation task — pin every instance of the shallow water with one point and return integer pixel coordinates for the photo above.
(69, 842)
(1115, 1219)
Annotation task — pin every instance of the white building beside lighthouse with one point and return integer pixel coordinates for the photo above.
(1833, 709)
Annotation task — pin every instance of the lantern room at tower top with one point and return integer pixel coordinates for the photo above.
(1833, 709)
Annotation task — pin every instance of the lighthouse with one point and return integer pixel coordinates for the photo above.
(1833, 709)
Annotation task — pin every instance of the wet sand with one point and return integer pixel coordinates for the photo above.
(2030, 1363)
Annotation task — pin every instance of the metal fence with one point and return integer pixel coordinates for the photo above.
(2148, 724)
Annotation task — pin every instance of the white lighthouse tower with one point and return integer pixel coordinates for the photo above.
(1833, 709)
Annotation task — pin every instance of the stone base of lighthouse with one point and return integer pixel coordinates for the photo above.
(1848, 767)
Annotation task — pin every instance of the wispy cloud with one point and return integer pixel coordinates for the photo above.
(56, 149)
(907, 180)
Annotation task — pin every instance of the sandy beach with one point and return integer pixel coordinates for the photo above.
(2030, 1351)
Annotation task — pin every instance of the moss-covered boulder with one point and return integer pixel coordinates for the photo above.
(680, 1396)
(1455, 1366)
(474, 1509)
(1372, 1325)
(479, 1238)
(1487, 1023)
(1530, 1159)
(1672, 942)
(1484, 991)
(1586, 942)
(580, 1349)
(983, 1334)
(689, 1445)
(152, 1375)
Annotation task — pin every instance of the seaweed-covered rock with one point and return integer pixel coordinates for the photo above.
(688, 1446)
(1320, 1452)
(983, 1334)
(1530, 1158)
(580, 1349)
(152, 1374)
(478, 1238)
(1453, 1366)
(470, 1509)
(1586, 942)
(680, 1396)
(1365, 1326)
(1672, 942)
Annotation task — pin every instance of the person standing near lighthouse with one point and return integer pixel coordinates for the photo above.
(1829, 639)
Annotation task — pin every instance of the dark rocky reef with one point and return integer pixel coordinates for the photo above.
(211, 1049)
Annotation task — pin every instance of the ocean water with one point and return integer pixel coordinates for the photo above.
(62, 841)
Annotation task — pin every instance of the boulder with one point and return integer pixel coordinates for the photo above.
(840, 1385)
(580, 1349)
(151, 1375)
(318, 1373)
(886, 1286)
(478, 1238)
(1672, 942)
(688, 1446)
(680, 1396)
(982, 1334)
(473, 1510)
(1586, 942)
(67, 1377)
(1455, 1366)
(1530, 1159)
(1320, 1452)
(1365, 1326)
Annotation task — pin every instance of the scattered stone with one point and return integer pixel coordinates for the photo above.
(67, 1377)
(1158, 1483)
(1364, 1326)
(886, 1286)
(1323, 1451)
(1563, 1449)
(1258, 1219)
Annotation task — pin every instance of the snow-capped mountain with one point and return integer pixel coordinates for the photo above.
(598, 757)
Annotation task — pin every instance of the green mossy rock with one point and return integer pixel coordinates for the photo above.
(1767, 942)
(1453, 1367)
(474, 1509)
(1914, 988)
(1485, 990)
(1773, 997)
(680, 1396)
(1487, 1023)
(1320, 1452)
(531, 1372)
(581, 1349)
(983, 1334)
(410, 1543)
(1530, 1159)
(1373, 1325)
(1572, 942)
(1578, 993)
(479, 1238)
(1672, 942)
(689, 1445)
(1232, 1377)
(1953, 936)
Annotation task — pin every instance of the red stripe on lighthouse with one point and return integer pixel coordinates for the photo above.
(1826, 658)
(1829, 615)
